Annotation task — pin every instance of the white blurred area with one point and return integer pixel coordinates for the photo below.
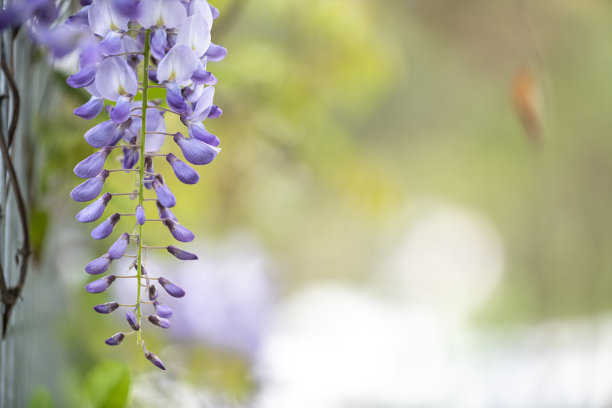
(408, 342)
(404, 339)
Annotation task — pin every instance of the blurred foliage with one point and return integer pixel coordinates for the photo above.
(41, 398)
(107, 385)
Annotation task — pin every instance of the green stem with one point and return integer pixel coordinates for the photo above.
(143, 132)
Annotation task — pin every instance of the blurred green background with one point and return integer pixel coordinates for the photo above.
(345, 123)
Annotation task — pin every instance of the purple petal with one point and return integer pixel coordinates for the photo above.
(132, 320)
(128, 8)
(121, 112)
(100, 285)
(172, 289)
(102, 134)
(119, 247)
(92, 165)
(178, 65)
(194, 33)
(214, 11)
(215, 112)
(84, 77)
(140, 214)
(103, 17)
(98, 265)
(182, 171)
(161, 13)
(180, 254)
(89, 189)
(160, 321)
(155, 360)
(162, 310)
(159, 42)
(203, 105)
(106, 308)
(111, 44)
(91, 108)
(130, 157)
(179, 232)
(115, 340)
(106, 228)
(94, 210)
(202, 76)
(115, 78)
(202, 9)
(196, 151)
(164, 195)
(198, 131)
(79, 20)
(175, 99)
(215, 53)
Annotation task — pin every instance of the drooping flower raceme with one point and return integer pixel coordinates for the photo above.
(128, 46)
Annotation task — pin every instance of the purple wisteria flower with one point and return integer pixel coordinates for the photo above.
(126, 47)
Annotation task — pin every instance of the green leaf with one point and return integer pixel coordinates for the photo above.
(107, 385)
(40, 398)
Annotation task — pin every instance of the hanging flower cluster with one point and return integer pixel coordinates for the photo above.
(131, 46)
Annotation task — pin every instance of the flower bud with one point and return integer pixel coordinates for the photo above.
(100, 285)
(91, 108)
(102, 134)
(140, 214)
(92, 165)
(106, 308)
(172, 289)
(98, 265)
(94, 210)
(106, 228)
(180, 254)
(164, 195)
(179, 232)
(149, 168)
(155, 360)
(115, 340)
(159, 321)
(153, 294)
(182, 171)
(164, 212)
(90, 189)
(119, 247)
(196, 151)
(162, 310)
(132, 320)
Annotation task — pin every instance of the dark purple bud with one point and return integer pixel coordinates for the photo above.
(182, 171)
(115, 340)
(199, 132)
(179, 232)
(196, 151)
(155, 360)
(84, 77)
(91, 108)
(100, 285)
(106, 228)
(132, 320)
(98, 265)
(153, 77)
(90, 189)
(215, 53)
(102, 134)
(153, 294)
(175, 99)
(164, 195)
(149, 169)
(162, 310)
(215, 112)
(140, 214)
(160, 321)
(85, 2)
(130, 157)
(92, 165)
(171, 288)
(165, 212)
(202, 76)
(107, 308)
(121, 112)
(118, 248)
(159, 41)
(94, 210)
(180, 254)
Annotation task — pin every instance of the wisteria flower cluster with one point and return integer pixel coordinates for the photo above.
(127, 48)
